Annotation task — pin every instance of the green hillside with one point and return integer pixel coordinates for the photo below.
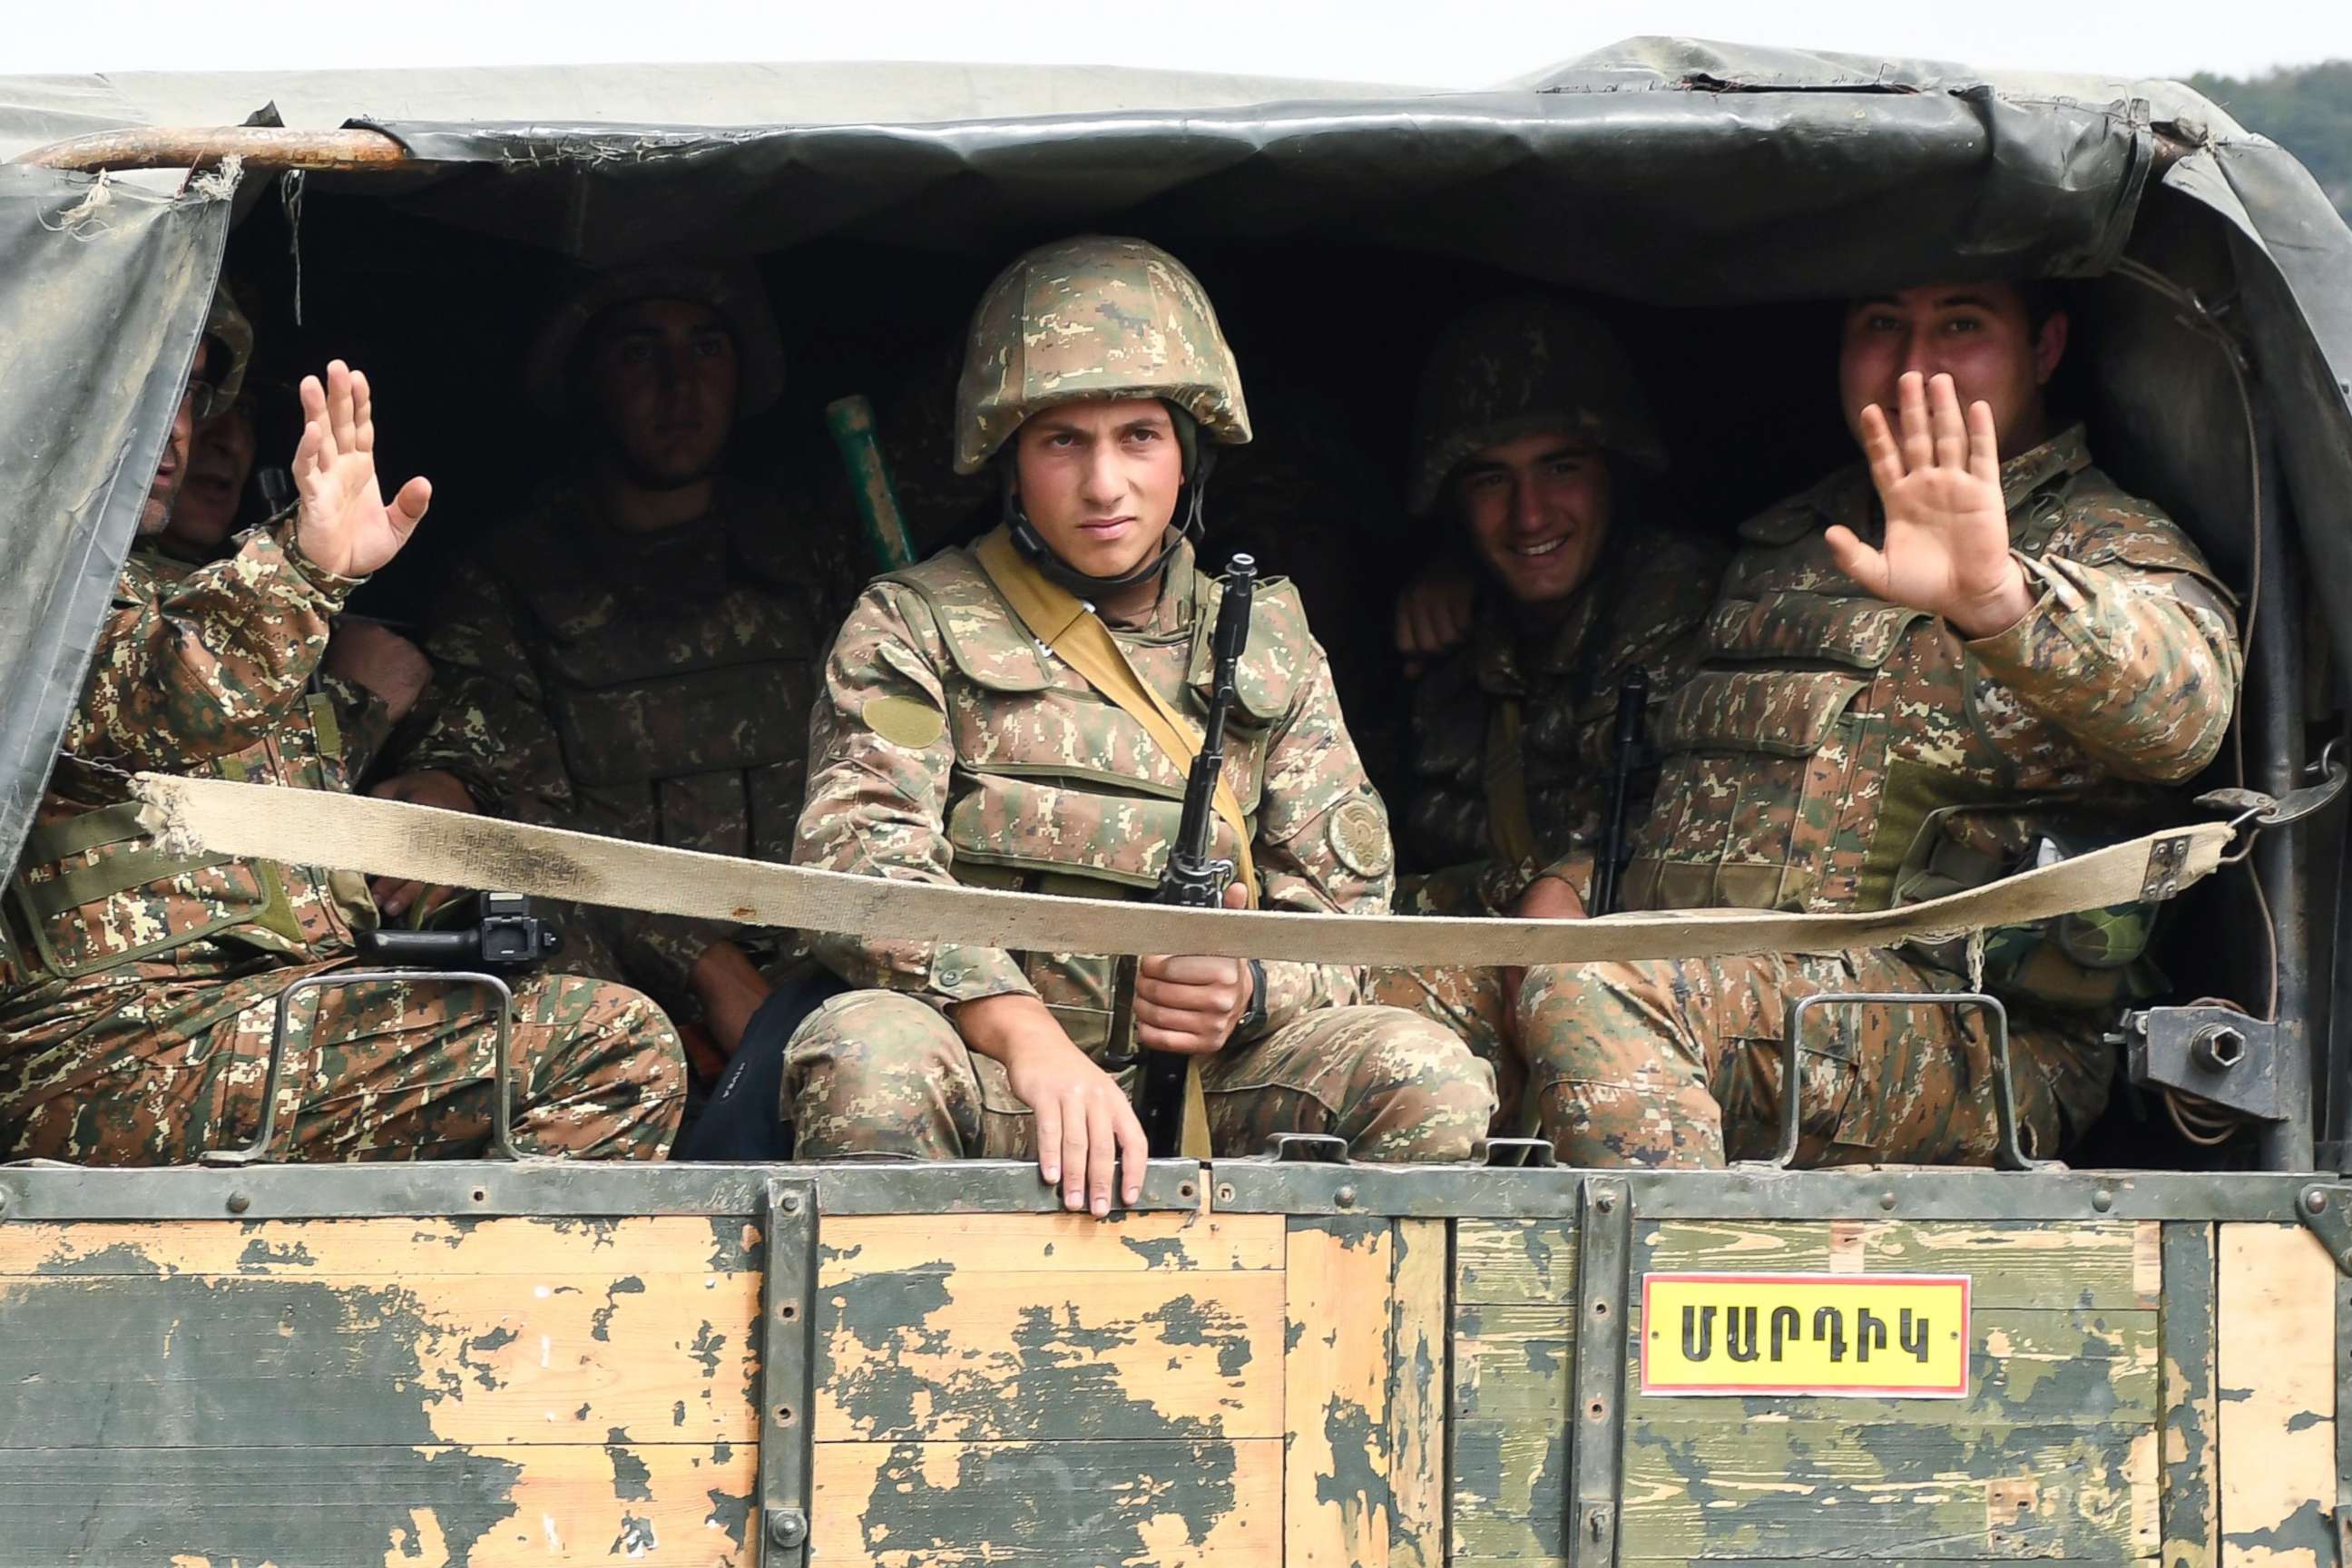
(2307, 110)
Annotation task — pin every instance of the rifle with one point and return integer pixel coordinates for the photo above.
(851, 420)
(1191, 879)
(1632, 708)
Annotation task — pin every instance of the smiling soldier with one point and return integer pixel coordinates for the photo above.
(1531, 436)
(957, 740)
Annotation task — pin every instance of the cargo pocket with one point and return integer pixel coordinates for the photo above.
(1752, 1014)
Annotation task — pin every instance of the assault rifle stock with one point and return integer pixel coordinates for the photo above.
(1192, 878)
(1632, 708)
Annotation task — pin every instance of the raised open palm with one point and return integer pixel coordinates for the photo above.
(1946, 545)
(344, 526)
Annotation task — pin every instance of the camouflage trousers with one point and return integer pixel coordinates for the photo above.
(150, 1071)
(1470, 1003)
(1677, 1064)
(880, 1072)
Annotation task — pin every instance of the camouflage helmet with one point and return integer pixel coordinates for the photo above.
(733, 290)
(232, 339)
(1093, 317)
(1517, 366)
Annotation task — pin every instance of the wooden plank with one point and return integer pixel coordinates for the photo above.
(1510, 1487)
(1042, 1242)
(1416, 1395)
(1336, 1503)
(1043, 1505)
(1017, 1357)
(1515, 1260)
(2069, 1264)
(208, 1361)
(2026, 1367)
(369, 1249)
(1821, 1488)
(2191, 1498)
(2276, 1287)
(688, 1505)
(1514, 1361)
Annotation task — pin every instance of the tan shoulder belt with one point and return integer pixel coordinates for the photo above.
(1056, 618)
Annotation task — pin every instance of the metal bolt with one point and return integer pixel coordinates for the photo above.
(2217, 1048)
(791, 1203)
(1224, 1192)
(2315, 1201)
(1886, 1200)
(1345, 1197)
(2102, 1200)
(787, 1527)
(1597, 1522)
(239, 1202)
(1606, 1203)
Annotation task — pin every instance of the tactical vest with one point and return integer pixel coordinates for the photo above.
(692, 710)
(1835, 752)
(1058, 790)
(94, 891)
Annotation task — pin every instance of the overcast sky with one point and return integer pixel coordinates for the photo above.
(1437, 43)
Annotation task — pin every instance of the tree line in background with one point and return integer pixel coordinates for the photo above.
(2307, 110)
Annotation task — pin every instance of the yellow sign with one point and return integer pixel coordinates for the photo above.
(1899, 1335)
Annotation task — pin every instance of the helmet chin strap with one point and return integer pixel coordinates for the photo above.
(1031, 544)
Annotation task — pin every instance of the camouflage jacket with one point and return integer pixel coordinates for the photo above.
(947, 746)
(1829, 734)
(1559, 689)
(202, 670)
(648, 687)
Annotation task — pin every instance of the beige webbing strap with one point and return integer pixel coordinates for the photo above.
(1056, 617)
(385, 837)
(1510, 826)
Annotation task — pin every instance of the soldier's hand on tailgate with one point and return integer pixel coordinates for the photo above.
(344, 527)
(1189, 1004)
(372, 654)
(1084, 1124)
(1946, 547)
(1433, 613)
(394, 896)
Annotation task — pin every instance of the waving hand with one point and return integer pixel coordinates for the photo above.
(344, 526)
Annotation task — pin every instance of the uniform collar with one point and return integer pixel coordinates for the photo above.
(2063, 455)
(1511, 654)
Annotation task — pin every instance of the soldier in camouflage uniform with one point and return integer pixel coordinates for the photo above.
(635, 657)
(1531, 435)
(137, 981)
(1926, 672)
(949, 745)
(371, 676)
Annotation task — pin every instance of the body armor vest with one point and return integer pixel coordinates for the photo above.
(1056, 788)
(677, 674)
(1835, 752)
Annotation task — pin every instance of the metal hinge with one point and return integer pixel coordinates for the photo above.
(2325, 1209)
(787, 1359)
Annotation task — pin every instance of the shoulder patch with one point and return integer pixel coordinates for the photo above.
(908, 721)
(1360, 837)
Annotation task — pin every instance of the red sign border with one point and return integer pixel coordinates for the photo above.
(1807, 1390)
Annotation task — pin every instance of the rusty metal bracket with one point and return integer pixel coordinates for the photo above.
(2326, 1210)
(2166, 862)
(2217, 1054)
(1596, 1423)
(502, 1142)
(787, 1370)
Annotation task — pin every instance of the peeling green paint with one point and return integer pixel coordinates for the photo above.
(1187, 1321)
(633, 1480)
(600, 1321)
(730, 1512)
(1063, 1502)
(1157, 1252)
